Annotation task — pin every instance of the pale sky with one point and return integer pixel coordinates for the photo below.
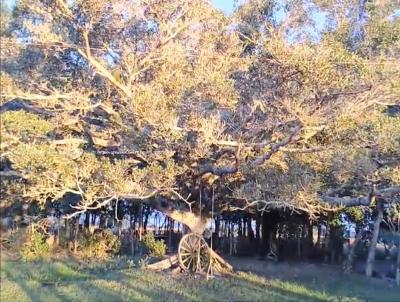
(225, 5)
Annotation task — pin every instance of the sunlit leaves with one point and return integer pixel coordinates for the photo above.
(23, 124)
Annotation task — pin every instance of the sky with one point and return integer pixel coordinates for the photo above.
(225, 5)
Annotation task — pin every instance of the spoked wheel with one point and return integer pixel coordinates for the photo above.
(193, 253)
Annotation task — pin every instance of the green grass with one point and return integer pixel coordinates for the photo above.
(68, 281)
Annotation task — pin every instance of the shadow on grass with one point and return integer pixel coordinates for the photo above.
(61, 281)
(129, 285)
(320, 281)
(43, 281)
(67, 281)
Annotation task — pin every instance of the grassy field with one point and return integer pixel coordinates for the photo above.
(70, 281)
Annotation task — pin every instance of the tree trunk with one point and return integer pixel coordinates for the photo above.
(335, 243)
(299, 235)
(319, 236)
(146, 219)
(372, 249)
(310, 238)
(326, 243)
(163, 264)
(132, 239)
(76, 235)
(258, 224)
(231, 234)
(57, 243)
(264, 235)
(67, 230)
(87, 221)
(196, 224)
(215, 238)
(192, 221)
(169, 234)
(140, 221)
(103, 222)
(250, 229)
(269, 226)
(398, 266)
(348, 266)
(134, 221)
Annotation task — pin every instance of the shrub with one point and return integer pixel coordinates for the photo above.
(35, 246)
(156, 248)
(99, 245)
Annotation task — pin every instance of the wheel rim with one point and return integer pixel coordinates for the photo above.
(193, 253)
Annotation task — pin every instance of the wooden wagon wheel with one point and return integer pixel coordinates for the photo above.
(193, 253)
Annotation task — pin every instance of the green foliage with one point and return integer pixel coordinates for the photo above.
(156, 248)
(35, 246)
(356, 214)
(99, 245)
(335, 221)
(285, 118)
(24, 124)
(130, 263)
(386, 130)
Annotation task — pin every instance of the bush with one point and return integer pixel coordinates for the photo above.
(35, 246)
(156, 248)
(99, 245)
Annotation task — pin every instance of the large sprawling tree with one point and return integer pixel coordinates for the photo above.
(167, 101)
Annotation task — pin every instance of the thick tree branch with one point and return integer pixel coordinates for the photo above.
(17, 104)
(98, 66)
(276, 147)
(10, 174)
(219, 171)
(388, 191)
(348, 201)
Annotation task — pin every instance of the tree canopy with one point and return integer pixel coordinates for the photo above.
(171, 101)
